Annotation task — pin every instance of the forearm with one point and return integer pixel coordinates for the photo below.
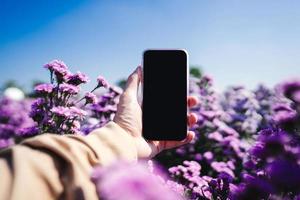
(53, 166)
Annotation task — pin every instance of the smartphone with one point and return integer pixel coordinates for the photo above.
(165, 90)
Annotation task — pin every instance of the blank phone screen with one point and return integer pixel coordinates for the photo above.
(165, 94)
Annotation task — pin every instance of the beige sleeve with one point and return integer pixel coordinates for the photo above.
(59, 167)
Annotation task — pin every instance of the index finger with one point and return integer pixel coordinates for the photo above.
(192, 101)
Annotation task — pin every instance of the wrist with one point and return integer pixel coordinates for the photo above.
(117, 140)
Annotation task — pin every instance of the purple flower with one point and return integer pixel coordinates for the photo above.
(55, 65)
(189, 175)
(285, 175)
(59, 68)
(220, 187)
(77, 112)
(206, 80)
(61, 111)
(68, 89)
(77, 79)
(29, 131)
(130, 181)
(6, 143)
(225, 177)
(258, 150)
(270, 144)
(281, 107)
(90, 98)
(296, 96)
(241, 110)
(76, 124)
(291, 89)
(208, 155)
(176, 187)
(7, 131)
(48, 124)
(208, 114)
(249, 164)
(215, 136)
(254, 189)
(13, 117)
(105, 109)
(45, 88)
(222, 167)
(38, 103)
(38, 109)
(102, 82)
(283, 114)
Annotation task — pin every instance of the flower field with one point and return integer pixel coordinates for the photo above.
(247, 143)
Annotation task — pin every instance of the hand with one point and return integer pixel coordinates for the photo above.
(129, 117)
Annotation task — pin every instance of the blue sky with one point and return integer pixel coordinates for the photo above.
(237, 42)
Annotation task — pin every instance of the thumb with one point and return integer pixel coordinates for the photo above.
(133, 81)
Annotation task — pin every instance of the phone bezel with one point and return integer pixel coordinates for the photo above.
(187, 75)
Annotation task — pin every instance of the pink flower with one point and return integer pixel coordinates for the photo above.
(102, 82)
(90, 98)
(45, 88)
(56, 65)
(78, 78)
(61, 111)
(68, 89)
(208, 155)
(222, 167)
(77, 112)
(59, 68)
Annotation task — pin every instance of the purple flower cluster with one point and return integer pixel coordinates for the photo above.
(241, 110)
(123, 181)
(102, 82)
(189, 174)
(59, 69)
(273, 167)
(57, 110)
(68, 89)
(201, 186)
(247, 143)
(229, 125)
(14, 120)
(77, 78)
(287, 113)
(45, 88)
(218, 149)
(291, 90)
(90, 98)
(102, 109)
(266, 97)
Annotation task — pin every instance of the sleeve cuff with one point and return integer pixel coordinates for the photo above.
(111, 142)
